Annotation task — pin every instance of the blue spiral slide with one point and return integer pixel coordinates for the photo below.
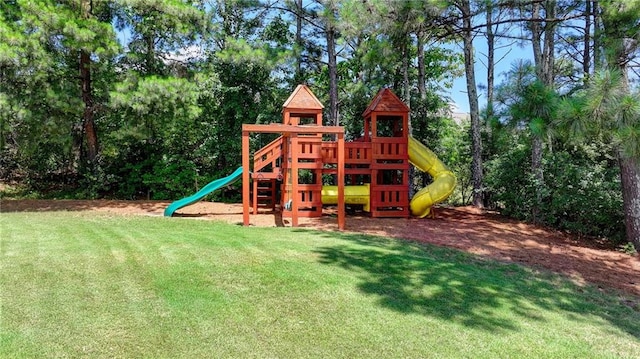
(212, 186)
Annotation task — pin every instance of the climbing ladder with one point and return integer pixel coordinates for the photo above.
(267, 169)
(264, 195)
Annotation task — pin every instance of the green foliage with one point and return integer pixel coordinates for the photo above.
(454, 149)
(152, 138)
(581, 192)
(527, 102)
(143, 169)
(606, 109)
(354, 102)
(236, 93)
(172, 178)
(41, 108)
(157, 30)
(172, 83)
(508, 180)
(134, 160)
(575, 185)
(153, 105)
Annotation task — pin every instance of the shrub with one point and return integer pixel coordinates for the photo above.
(581, 192)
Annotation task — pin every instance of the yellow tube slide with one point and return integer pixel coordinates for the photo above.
(444, 181)
(352, 195)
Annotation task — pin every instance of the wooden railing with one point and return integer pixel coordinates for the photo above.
(309, 148)
(268, 155)
(355, 152)
(392, 148)
(390, 201)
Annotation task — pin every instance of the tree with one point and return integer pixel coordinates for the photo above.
(529, 104)
(236, 79)
(330, 19)
(88, 122)
(299, 44)
(543, 40)
(467, 34)
(620, 21)
(609, 107)
(55, 44)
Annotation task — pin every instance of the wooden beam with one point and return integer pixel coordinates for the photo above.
(255, 197)
(305, 129)
(341, 204)
(245, 178)
(294, 179)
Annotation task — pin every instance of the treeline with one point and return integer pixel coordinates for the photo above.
(145, 99)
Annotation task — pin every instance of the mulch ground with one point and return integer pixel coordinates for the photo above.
(464, 228)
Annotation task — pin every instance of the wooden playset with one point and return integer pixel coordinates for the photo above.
(372, 171)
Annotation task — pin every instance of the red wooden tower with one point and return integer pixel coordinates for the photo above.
(386, 126)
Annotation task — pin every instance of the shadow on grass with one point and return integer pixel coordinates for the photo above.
(414, 278)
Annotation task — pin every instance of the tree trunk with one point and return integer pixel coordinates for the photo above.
(88, 123)
(544, 53)
(333, 74)
(586, 52)
(422, 90)
(491, 43)
(476, 139)
(613, 22)
(544, 57)
(630, 177)
(490, 59)
(597, 37)
(548, 52)
(406, 88)
(536, 35)
(618, 21)
(299, 45)
(407, 100)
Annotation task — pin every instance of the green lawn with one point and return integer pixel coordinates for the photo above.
(75, 284)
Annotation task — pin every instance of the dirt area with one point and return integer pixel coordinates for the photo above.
(464, 228)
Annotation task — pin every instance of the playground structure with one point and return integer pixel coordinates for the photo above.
(371, 171)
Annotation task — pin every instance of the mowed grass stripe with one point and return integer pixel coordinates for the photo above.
(81, 287)
(76, 284)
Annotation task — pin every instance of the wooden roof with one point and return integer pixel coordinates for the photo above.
(302, 99)
(386, 101)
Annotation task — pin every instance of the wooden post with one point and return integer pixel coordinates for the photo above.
(294, 179)
(255, 197)
(341, 160)
(286, 167)
(367, 129)
(374, 126)
(245, 178)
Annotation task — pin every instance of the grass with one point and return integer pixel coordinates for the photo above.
(75, 284)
